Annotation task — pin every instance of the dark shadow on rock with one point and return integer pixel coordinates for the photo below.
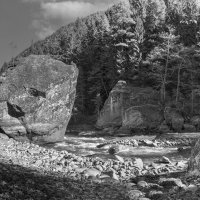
(15, 111)
(36, 93)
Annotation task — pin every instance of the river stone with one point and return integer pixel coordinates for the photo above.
(138, 163)
(91, 172)
(143, 184)
(112, 174)
(155, 194)
(114, 149)
(36, 98)
(164, 159)
(134, 194)
(171, 182)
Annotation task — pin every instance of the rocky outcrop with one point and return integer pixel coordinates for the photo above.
(111, 114)
(129, 106)
(189, 128)
(36, 99)
(195, 121)
(143, 116)
(173, 119)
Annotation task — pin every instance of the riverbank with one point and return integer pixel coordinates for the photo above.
(29, 171)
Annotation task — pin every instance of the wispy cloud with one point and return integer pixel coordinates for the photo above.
(42, 28)
(37, 1)
(55, 13)
(69, 10)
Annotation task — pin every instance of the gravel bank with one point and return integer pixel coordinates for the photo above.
(32, 172)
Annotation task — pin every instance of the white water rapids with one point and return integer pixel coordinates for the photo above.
(87, 146)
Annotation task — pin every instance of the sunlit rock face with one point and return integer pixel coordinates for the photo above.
(36, 99)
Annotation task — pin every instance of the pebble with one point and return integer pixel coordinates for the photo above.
(119, 158)
(155, 194)
(143, 184)
(164, 159)
(134, 194)
(91, 172)
(137, 162)
(171, 182)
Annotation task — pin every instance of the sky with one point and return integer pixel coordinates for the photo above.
(23, 22)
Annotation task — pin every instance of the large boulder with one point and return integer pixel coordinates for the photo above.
(130, 106)
(195, 121)
(143, 116)
(111, 114)
(174, 119)
(164, 128)
(36, 99)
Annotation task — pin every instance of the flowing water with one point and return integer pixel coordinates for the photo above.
(87, 146)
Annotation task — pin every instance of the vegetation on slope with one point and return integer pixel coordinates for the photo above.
(154, 43)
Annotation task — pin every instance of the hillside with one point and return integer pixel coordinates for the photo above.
(152, 43)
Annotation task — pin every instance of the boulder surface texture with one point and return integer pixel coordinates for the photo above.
(36, 99)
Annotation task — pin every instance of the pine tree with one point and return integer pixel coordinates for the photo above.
(160, 58)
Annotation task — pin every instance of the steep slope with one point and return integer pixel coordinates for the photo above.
(75, 41)
(134, 41)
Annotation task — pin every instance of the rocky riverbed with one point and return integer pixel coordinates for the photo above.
(29, 171)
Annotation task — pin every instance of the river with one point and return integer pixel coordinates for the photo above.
(87, 146)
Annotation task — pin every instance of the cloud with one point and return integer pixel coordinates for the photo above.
(56, 13)
(37, 1)
(69, 10)
(42, 28)
(90, 1)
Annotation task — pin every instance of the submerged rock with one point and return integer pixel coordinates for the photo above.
(36, 98)
(114, 150)
(164, 159)
(119, 158)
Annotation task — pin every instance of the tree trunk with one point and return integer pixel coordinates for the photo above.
(178, 85)
(165, 73)
(192, 95)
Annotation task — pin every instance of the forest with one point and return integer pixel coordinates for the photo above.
(152, 43)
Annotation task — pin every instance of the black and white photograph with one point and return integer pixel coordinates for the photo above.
(99, 99)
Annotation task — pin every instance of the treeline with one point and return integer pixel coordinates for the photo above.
(145, 42)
